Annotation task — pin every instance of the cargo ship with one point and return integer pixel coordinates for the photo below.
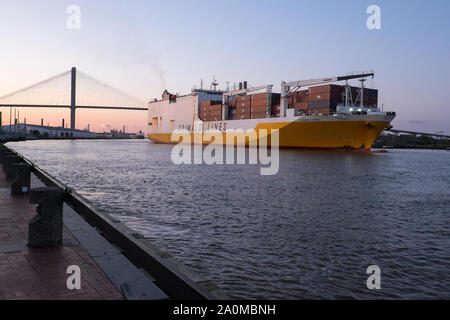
(308, 114)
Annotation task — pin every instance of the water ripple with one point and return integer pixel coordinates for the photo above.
(309, 232)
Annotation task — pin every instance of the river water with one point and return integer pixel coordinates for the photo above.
(309, 232)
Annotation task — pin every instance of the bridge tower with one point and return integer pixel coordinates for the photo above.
(73, 96)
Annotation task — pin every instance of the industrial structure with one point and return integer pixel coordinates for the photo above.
(47, 131)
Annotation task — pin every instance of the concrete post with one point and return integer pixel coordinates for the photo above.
(21, 185)
(9, 160)
(3, 153)
(45, 230)
(2, 150)
(3, 157)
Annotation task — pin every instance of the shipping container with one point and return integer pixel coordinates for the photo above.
(298, 94)
(246, 104)
(336, 95)
(259, 109)
(259, 96)
(258, 115)
(326, 88)
(259, 102)
(276, 97)
(300, 106)
(319, 105)
(208, 103)
(241, 111)
(212, 108)
(320, 97)
(246, 98)
(300, 99)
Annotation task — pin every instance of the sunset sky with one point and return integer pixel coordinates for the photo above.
(144, 47)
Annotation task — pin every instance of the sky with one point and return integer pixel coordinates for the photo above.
(145, 46)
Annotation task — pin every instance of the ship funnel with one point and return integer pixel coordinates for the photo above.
(240, 85)
(245, 84)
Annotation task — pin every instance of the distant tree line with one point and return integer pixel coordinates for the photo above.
(406, 141)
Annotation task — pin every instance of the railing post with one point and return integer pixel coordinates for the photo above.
(21, 184)
(45, 230)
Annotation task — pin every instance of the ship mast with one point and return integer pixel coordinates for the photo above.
(348, 95)
(361, 102)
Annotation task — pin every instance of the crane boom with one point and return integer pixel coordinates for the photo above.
(238, 92)
(305, 83)
(312, 82)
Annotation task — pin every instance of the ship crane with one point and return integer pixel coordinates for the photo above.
(289, 87)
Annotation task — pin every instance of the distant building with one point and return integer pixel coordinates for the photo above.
(56, 132)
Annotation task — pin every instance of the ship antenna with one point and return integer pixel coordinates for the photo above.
(214, 83)
(346, 93)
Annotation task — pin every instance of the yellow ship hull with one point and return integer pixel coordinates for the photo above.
(311, 135)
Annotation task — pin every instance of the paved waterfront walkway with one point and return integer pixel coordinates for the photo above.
(41, 273)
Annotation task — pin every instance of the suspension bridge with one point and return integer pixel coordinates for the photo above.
(72, 89)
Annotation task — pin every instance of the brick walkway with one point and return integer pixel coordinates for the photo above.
(35, 274)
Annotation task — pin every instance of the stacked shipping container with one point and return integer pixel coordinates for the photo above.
(259, 104)
(299, 100)
(253, 106)
(243, 108)
(316, 100)
(324, 99)
(211, 110)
